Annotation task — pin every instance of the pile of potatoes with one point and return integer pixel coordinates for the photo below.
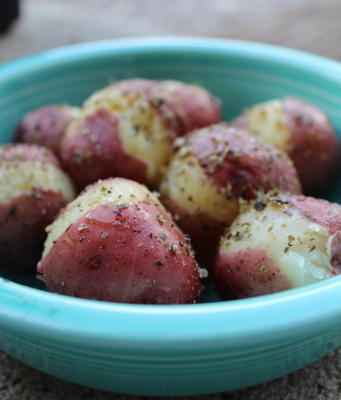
(167, 191)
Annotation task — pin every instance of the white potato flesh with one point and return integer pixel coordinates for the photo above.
(142, 129)
(108, 192)
(18, 178)
(298, 247)
(268, 122)
(186, 183)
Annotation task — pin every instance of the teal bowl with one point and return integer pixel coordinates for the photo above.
(170, 350)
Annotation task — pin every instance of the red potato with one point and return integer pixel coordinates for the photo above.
(212, 170)
(33, 189)
(277, 243)
(127, 129)
(184, 107)
(304, 132)
(45, 126)
(116, 242)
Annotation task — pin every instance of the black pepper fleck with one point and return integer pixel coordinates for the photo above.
(159, 264)
(259, 205)
(122, 206)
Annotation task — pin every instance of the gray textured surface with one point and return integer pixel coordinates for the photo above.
(320, 381)
(311, 25)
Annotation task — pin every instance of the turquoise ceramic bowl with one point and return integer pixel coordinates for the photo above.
(170, 350)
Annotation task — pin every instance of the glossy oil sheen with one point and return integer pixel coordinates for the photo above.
(170, 350)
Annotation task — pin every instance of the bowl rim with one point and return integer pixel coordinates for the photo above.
(47, 315)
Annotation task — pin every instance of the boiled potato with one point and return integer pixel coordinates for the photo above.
(304, 132)
(279, 242)
(127, 129)
(33, 189)
(116, 242)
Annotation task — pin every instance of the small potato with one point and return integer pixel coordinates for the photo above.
(33, 189)
(304, 132)
(184, 107)
(46, 126)
(127, 129)
(116, 242)
(277, 243)
(215, 167)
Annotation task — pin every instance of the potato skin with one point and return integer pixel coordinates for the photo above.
(304, 132)
(186, 107)
(277, 243)
(315, 151)
(45, 126)
(23, 221)
(203, 229)
(91, 259)
(248, 273)
(231, 165)
(93, 149)
(33, 190)
(320, 211)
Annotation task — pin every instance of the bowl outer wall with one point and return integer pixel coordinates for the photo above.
(169, 334)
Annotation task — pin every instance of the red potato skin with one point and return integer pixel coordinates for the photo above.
(94, 263)
(326, 214)
(189, 112)
(27, 152)
(336, 253)
(23, 221)
(95, 151)
(45, 127)
(247, 273)
(246, 166)
(203, 229)
(319, 211)
(315, 150)
(181, 108)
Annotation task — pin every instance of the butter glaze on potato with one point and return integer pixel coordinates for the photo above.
(116, 242)
(279, 242)
(145, 118)
(304, 132)
(215, 167)
(33, 190)
(46, 126)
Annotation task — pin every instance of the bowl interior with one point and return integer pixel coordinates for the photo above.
(239, 74)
